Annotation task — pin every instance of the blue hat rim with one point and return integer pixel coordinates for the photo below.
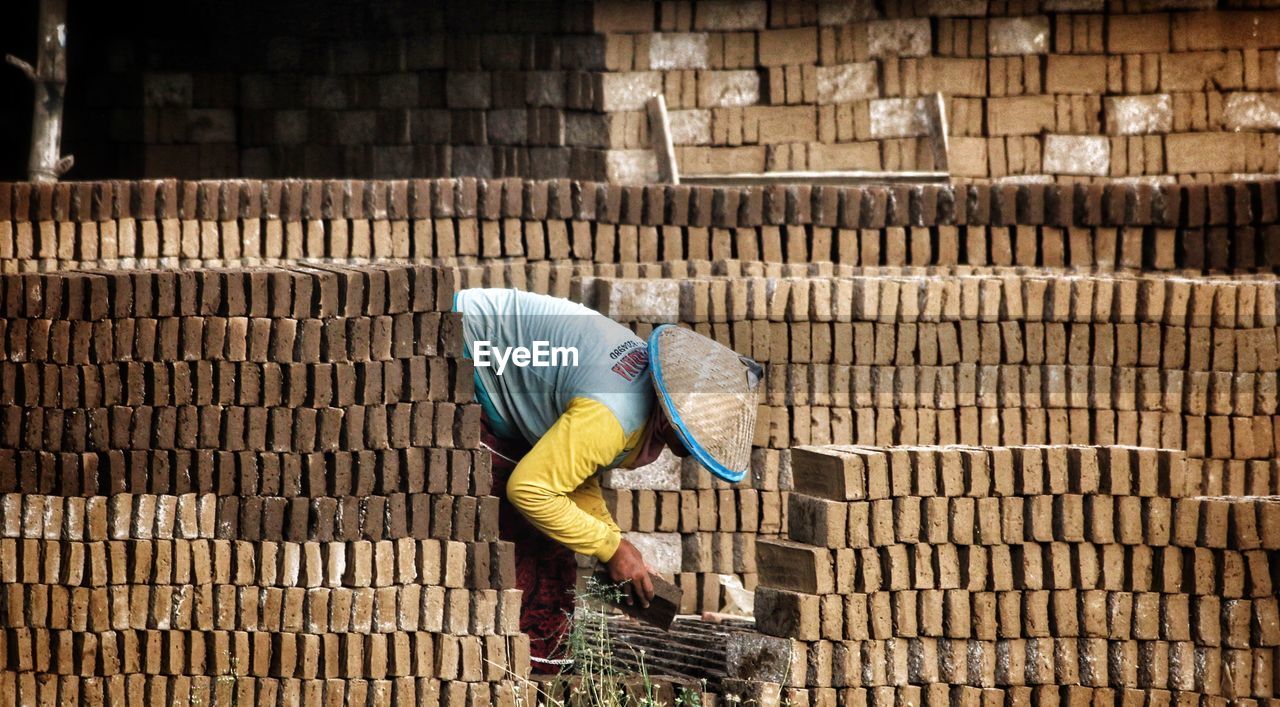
(698, 452)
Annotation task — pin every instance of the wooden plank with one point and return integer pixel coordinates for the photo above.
(833, 178)
(660, 137)
(936, 110)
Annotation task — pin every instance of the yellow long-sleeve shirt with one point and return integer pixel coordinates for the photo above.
(556, 485)
(582, 412)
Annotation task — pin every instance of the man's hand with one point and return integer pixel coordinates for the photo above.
(628, 565)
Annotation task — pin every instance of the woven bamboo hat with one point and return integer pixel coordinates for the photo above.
(710, 394)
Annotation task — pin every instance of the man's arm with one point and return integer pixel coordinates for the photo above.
(554, 487)
(546, 485)
(590, 498)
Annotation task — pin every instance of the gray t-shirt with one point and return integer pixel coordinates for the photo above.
(569, 351)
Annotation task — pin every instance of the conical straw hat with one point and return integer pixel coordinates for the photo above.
(710, 394)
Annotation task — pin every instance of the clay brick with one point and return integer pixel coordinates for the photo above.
(1206, 152)
(1221, 30)
(1070, 73)
(728, 88)
(1198, 71)
(846, 83)
(1077, 154)
(899, 38)
(788, 614)
(664, 607)
(621, 16)
(626, 90)
(1022, 115)
(722, 15)
(1139, 115)
(898, 117)
(953, 77)
(795, 567)
(678, 50)
(816, 521)
(1017, 36)
(1145, 33)
(782, 124)
(781, 48)
(1251, 111)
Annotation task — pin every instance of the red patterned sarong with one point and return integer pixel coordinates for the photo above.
(545, 570)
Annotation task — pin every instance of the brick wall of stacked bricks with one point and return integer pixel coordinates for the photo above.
(1021, 315)
(247, 485)
(1013, 575)
(1065, 88)
(1071, 89)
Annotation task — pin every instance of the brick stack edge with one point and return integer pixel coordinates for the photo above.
(262, 376)
(1012, 575)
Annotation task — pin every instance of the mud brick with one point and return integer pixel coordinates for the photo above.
(6, 203)
(45, 296)
(787, 565)
(14, 298)
(816, 521)
(834, 474)
(210, 302)
(604, 203)
(788, 614)
(326, 520)
(206, 200)
(42, 198)
(380, 338)
(273, 518)
(323, 200)
(21, 196)
(1004, 203)
(315, 294)
(653, 204)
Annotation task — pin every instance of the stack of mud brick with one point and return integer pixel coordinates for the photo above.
(1005, 358)
(698, 529)
(994, 358)
(1056, 90)
(1061, 89)
(544, 233)
(908, 315)
(388, 90)
(246, 484)
(961, 575)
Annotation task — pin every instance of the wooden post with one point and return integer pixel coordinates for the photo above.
(660, 138)
(937, 113)
(50, 79)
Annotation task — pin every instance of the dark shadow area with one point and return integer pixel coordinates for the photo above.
(155, 88)
(17, 37)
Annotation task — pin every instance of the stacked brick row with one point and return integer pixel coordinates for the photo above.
(995, 357)
(1060, 89)
(699, 529)
(1054, 575)
(1063, 90)
(249, 484)
(885, 316)
(1221, 227)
